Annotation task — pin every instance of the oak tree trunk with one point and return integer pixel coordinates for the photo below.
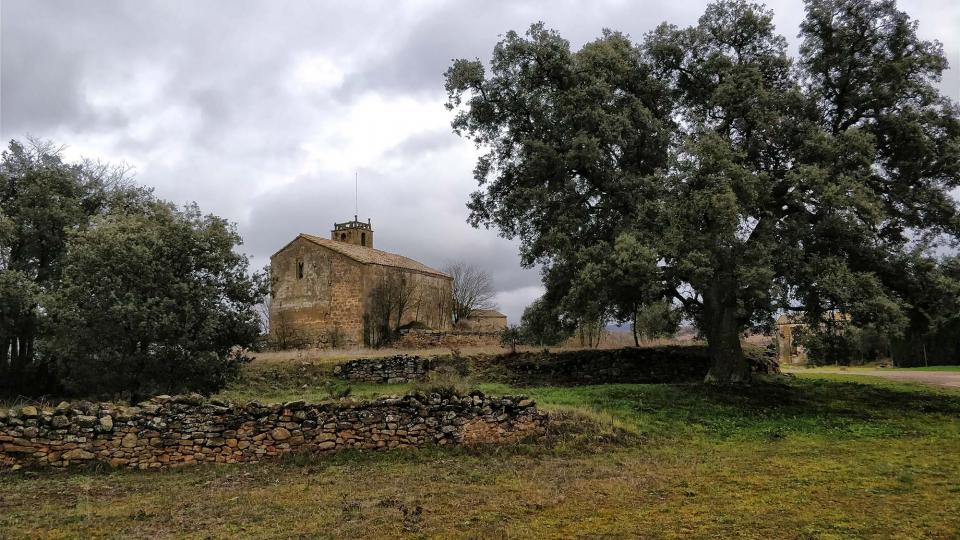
(722, 329)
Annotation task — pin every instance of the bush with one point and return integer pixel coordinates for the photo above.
(415, 325)
(511, 337)
(335, 338)
(847, 345)
(445, 380)
(540, 325)
(157, 302)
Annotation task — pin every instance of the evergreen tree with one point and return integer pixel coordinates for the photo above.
(743, 182)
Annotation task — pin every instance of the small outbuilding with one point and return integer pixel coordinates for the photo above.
(486, 320)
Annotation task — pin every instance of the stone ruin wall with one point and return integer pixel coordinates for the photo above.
(431, 339)
(171, 432)
(391, 370)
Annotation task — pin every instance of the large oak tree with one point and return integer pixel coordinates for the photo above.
(706, 166)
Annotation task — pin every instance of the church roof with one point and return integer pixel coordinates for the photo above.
(368, 255)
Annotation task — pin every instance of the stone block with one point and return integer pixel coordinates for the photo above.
(129, 440)
(78, 454)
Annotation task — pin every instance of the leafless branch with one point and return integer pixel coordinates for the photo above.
(472, 290)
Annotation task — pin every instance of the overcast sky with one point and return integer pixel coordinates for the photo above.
(263, 111)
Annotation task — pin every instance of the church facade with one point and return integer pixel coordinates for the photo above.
(330, 291)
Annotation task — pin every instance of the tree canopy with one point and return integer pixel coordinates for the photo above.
(706, 167)
(106, 289)
(152, 302)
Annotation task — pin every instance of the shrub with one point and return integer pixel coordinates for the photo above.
(511, 337)
(335, 391)
(540, 325)
(157, 302)
(445, 380)
(335, 338)
(415, 325)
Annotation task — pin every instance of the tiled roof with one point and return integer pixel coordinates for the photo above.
(486, 313)
(367, 255)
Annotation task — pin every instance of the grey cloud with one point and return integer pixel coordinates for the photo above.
(40, 83)
(417, 60)
(470, 29)
(404, 222)
(219, 125)
(422, 144)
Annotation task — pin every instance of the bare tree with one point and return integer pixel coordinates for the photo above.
(406, 290)
(282, 332)
(396, 294)
(472, 290)
(377, 318)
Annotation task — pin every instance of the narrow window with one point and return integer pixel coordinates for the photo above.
(299, 269)
(363, 239)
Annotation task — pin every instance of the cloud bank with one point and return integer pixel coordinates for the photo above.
(263, 112)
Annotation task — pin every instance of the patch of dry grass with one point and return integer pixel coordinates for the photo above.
(886, 489)
(615, 340)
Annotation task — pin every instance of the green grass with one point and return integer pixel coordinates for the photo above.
(823, 408)
(813, 456)
(802, 369)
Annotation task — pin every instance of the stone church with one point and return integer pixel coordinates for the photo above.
(322, 289)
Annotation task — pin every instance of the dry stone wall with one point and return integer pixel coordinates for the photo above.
(630, 365)
(429, 339)
(390, 370)
(175, 431)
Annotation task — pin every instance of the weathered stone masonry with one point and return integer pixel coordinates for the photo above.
(322, 287)
(391, 370)
(172, 432)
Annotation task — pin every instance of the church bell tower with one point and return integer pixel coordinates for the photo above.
(353, 232)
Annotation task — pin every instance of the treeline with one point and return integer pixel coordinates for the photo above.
(107, 290)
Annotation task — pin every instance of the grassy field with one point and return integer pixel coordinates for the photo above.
(932, 368)
(610, 340)
(815, 369)
(812, 456)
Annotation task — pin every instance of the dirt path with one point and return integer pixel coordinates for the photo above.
(948, 379)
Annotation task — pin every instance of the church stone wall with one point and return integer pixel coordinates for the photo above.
(329, 294)
(432, 296)
(326, 299)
